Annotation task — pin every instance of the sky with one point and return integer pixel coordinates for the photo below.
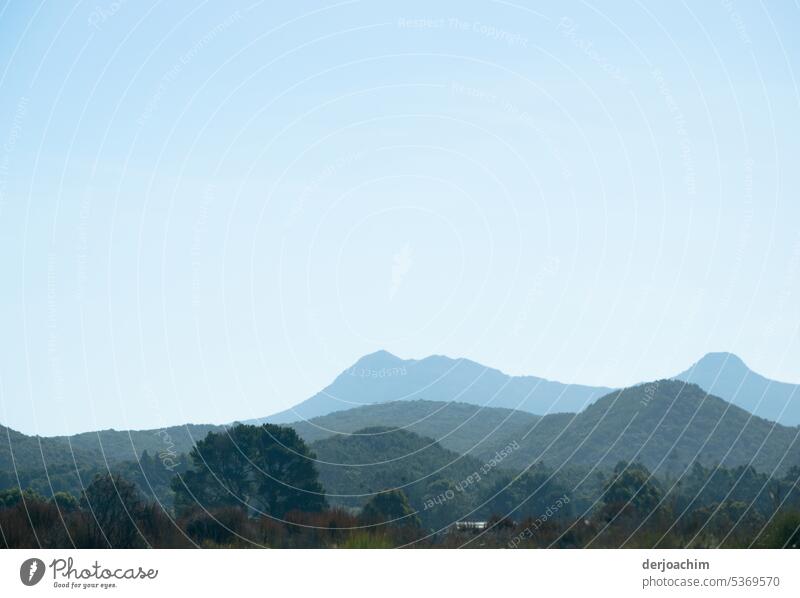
(209, 210)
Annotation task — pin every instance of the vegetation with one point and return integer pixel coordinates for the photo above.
(609, 476)
(459, 427)
(634, 510)
(666, 425)
(390, 506)
(262, 469)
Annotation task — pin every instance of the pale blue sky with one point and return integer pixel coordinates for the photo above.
(207, 212)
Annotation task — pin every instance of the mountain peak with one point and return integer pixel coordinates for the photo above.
(727, 376)
(713, 368)
(378, 358)
(720, 360)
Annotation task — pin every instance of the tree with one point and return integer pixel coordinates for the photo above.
(630, 491)
(390, 506)
(65, 502)
(266, 469)
(783, 532)
(115, 506)
(536, 494)
(10, 497)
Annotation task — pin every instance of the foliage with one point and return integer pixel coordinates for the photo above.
(65, 502)
(631, 491)
(525, 496)
(390, 506)
(441, 486)
(783, 532)
(263, 469)
(115, 505)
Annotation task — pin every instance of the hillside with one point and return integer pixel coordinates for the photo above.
(456, 426)
(24, 459)
(127, 445)
(441, 485)
(69, 462)
(426, 445)
(666, 425)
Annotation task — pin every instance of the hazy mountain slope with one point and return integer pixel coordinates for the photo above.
(49, 465)
(727, 376)
(666, 424)
(456, 426)
(666, 420)
(128, 445)
(34, 452)
(54, 456)
(24, 459)
(382, 377)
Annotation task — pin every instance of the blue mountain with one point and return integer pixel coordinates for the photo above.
(382, 377)
(726, 376)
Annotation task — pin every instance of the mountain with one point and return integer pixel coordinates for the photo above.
(19, 452)
(382, 377)
(665, 425)
(727, 376)
(95, 448)
(51, 464)
(128, 445)
(24, 460)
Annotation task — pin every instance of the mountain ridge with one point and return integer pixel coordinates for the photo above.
(667, 425)
(381, 377)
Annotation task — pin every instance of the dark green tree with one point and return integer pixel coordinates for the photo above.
(262, 469)
(536, 494)
(390, 506)
(114, 506)
(631, 491)
(783, 532)
(65, 502)
(10, 497)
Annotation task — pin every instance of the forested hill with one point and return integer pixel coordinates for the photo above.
(441, 485)
(456, 426)
(60, 461)
(124, 445)
(665, 425)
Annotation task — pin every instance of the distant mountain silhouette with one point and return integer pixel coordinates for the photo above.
(666, 425)
(382, 377)
(726, 376)
(475, 410)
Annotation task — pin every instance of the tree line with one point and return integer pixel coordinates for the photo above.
(254, 486)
